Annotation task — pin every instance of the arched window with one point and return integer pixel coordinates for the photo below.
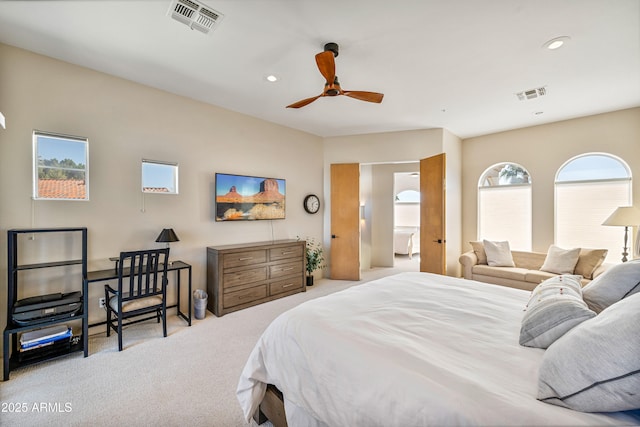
(504, 205)
(588, 188)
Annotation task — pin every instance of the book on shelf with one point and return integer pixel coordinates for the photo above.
(39, 337)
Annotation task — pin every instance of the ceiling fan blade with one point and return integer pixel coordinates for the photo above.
(364, 96)
(303, 102)
(327, 66)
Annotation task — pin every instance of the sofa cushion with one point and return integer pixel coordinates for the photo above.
(589, 261)
(537, 276)
(555, 307)
(512, 273)
(560, 261)
(498, 254)
(618, 282)
(478, 249)
(595, 366)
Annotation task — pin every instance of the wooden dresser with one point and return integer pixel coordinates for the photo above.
(244, 275)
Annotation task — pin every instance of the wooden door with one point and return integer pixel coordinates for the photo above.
(345, 221)
(432, 215)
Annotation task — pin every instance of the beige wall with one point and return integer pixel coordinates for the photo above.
(126, 122)
(542, 150)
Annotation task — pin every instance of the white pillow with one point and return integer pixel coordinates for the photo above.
(595, 367)
(554, 308)
(498, 254)
(560, 261)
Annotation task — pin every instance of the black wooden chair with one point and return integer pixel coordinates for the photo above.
(142, 289)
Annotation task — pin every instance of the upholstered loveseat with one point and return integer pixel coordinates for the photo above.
(526, 272)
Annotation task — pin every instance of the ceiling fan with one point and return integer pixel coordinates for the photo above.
(327, 66)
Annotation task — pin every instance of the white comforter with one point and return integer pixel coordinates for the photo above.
(415, 349)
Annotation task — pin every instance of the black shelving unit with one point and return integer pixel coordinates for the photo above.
(11, 355)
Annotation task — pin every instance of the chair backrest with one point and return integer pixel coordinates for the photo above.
(142, 273)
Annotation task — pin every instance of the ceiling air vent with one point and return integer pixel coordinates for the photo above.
(531, 93)
(195, 15)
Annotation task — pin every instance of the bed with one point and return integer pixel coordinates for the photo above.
(413, 349)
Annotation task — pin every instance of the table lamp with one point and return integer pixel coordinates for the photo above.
(624, 216)
(167, 235)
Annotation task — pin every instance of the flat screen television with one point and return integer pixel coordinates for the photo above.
(249, 198)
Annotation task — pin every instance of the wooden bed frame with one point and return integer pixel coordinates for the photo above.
(271, 408)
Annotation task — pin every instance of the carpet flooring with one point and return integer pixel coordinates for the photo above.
(188, 378)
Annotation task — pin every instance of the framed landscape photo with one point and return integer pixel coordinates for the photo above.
(249, 198)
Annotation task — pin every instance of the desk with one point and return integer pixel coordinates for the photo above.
(111, 274)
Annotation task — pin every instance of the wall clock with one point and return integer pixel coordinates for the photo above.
(311, 203)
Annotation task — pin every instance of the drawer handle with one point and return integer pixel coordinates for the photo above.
(287, 252)
(245, 259)
(289, 285)
(287, 269)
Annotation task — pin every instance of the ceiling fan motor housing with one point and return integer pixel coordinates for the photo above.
(333, 47)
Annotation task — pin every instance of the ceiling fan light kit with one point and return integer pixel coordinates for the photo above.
(327, 66)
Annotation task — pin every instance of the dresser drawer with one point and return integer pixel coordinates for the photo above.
(287, 269)
(242, 277)
(285, 252)
(245, 296)
(240, 259)
(285, 285)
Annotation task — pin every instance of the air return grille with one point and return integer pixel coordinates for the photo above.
(531, 93)
(195, 15)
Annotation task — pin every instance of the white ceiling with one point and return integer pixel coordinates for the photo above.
(455, 64)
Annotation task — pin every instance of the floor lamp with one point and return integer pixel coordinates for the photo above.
(624, 216)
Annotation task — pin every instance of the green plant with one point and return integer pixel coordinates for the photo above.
(511, 170)
(314, 255)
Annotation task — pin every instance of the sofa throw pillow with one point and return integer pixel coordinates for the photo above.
(589, 261)
(478, 249)
(560, 261)
(595, 367)
(618, 282)
(498, 254)
(554, 308)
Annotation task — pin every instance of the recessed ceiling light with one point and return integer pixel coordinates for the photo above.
(271, 78)
(556, 43)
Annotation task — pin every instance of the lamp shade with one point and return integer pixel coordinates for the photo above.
(167, 235)
(624, 216)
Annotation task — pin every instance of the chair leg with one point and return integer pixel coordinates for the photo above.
(164, 322)
(119, 333)
(109, 324)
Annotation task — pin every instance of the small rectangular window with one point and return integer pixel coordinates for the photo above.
(60, 167)
(159, 177)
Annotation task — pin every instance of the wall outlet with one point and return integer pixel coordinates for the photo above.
(101, 302)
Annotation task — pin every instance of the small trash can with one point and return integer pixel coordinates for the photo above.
(200, 303)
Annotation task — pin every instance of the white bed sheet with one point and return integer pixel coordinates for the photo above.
(414, 349)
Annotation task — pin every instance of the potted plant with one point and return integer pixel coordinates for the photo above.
(315, 258)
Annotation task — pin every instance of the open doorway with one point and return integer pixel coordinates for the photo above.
(406, 220)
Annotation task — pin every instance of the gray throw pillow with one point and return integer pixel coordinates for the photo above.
(595, 367)
(616, 283)
(554, 308)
